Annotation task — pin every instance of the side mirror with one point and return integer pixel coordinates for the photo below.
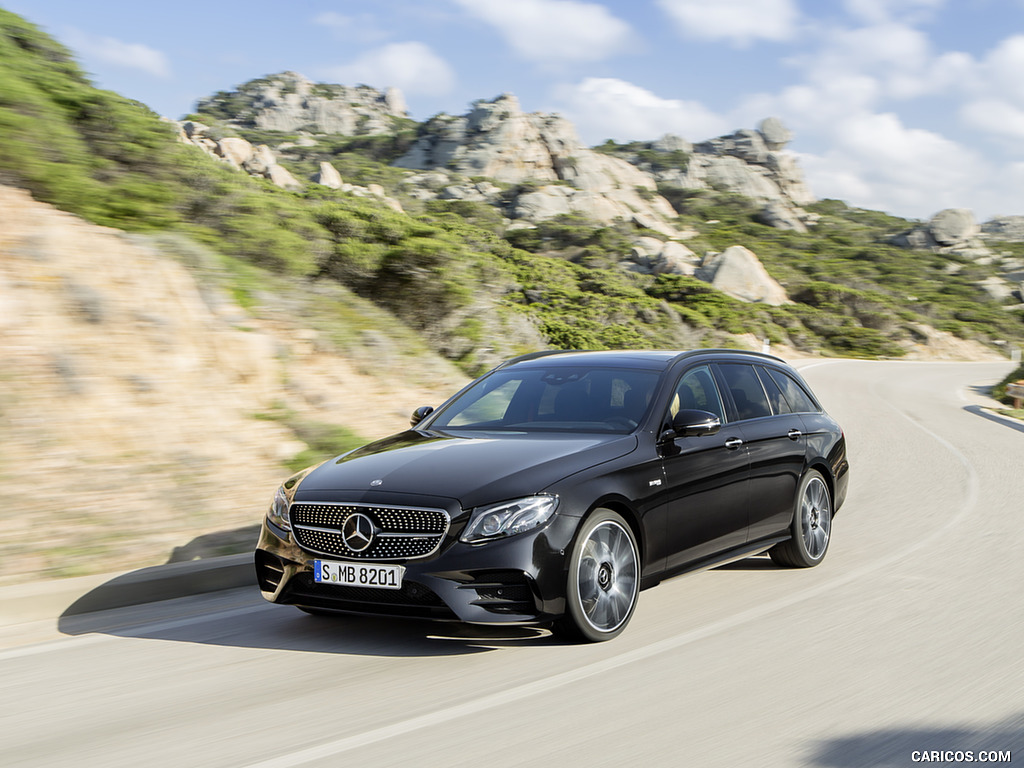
(420, 414)
(693, 423)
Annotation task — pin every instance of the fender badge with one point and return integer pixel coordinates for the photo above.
(654, 482)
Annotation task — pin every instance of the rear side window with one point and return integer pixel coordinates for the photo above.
(747, 392)
(775, 396)
(799, 401)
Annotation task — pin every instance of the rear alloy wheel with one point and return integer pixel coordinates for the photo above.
(812, 525)
(603, 581)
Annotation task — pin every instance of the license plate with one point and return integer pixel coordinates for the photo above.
(358, 574)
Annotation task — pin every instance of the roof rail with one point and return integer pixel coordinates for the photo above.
(679, 356)
(724, 350)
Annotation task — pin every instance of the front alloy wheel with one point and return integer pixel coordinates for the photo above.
(603, 580)
(812, 525)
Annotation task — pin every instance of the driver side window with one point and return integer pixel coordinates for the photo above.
(697, 390)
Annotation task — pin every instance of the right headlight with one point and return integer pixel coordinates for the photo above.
(498, 521)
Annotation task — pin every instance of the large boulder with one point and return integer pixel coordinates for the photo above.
(327, 176)
(739, 273)
(780, 216)
(236, 151)
(951, 231)
(282, 177)
(652, 256)
(776, 135)
(1009, 228)
(672, 143)
(674, 259)
(953, 226)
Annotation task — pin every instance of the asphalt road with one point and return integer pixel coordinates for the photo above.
(908, 638)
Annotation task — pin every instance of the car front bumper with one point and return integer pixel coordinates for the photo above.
(518, 580)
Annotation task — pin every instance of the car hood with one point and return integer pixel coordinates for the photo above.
(474, 470)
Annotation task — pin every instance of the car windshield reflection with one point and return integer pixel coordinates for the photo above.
(551, 399)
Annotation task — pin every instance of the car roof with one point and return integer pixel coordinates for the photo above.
(653, 359)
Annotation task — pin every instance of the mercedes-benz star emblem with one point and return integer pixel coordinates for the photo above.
(357, 532)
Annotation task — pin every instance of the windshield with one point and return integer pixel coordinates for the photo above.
(557, 399)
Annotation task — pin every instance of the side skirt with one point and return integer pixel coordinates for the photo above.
(723, 558)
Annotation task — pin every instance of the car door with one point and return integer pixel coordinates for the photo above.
(775, 443)
(706, 497)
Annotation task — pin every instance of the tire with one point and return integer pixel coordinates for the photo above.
(812, 525)
(603, 581)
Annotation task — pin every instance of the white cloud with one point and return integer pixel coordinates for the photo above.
(362, 27)
(897, 57)
(1002, 68)
(993, 91)
(333, 20)
(119, 53)
(844, 106)
(553, 31)
(815, 108)
(737, 21)
(605, 108)
(878, 11)
(411, 66)
(877, 162)
(996, 117)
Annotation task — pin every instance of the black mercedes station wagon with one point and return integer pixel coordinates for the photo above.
(553, 489)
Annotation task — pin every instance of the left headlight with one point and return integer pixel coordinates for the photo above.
(278, 513)
(509, 518)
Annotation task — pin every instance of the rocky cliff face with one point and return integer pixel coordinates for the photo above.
(752, 163)
(289, 102)
(497, 140)
(531, 165)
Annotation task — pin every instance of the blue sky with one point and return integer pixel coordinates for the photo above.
(906, 106)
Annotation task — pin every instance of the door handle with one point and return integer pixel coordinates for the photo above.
(733, 443)
(795, 434)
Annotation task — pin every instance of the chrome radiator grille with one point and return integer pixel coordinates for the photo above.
(368, 532)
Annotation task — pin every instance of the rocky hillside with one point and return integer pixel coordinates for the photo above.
(532, 167)
(148, 414)
(497, 232)
(655, 208)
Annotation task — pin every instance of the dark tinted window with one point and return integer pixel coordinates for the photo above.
(798, 399)
(559, 398)
(775, 396)
(746, 390)
(697, 390)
